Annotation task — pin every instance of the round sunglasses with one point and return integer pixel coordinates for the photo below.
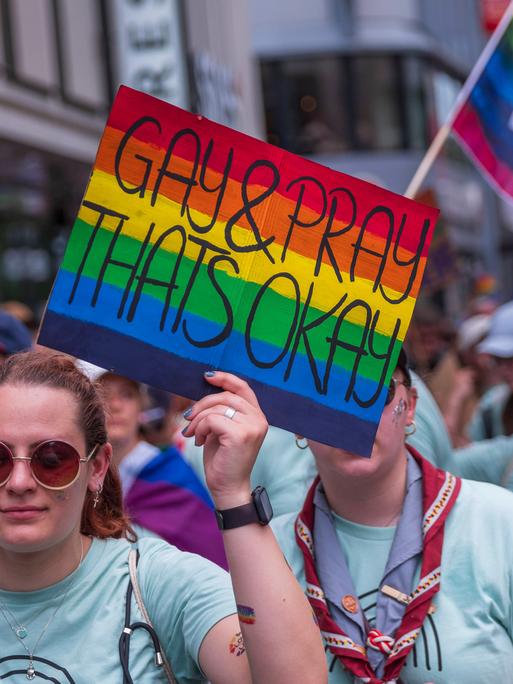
(54, 464)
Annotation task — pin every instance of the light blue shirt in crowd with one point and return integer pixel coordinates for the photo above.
(493, 403)
(489, 460)
(281, 467)
(287, 471)
(469, 637)
(185, 596)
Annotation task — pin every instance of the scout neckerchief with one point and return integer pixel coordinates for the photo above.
(440, 490)
(397, 580)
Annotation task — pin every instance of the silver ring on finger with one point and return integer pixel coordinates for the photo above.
(230, 412)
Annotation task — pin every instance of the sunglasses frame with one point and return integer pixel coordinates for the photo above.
(29, 458)
(395, 382)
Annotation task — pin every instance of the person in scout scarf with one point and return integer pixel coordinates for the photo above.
(408, 569)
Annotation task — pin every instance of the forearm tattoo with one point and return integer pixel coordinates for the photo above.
(246, 614)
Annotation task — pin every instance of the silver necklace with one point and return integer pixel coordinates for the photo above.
(20, 630)
(31, 672)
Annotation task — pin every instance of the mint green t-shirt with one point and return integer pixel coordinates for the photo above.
(469, 637)
(285, 470)
(185, 595)
(366, 550)
(488, 460)
(493, 402)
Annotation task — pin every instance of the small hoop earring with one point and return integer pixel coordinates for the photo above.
(410, 429)
(301, 442)
(97, 495)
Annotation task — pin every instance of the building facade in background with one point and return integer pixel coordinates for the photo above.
(53, 101)
(61, 63)
(359, 85)
(362, 86)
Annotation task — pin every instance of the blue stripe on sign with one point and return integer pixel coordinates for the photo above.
(145, 327)
(160, 368)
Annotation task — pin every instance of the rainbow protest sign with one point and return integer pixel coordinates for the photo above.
(197, 247)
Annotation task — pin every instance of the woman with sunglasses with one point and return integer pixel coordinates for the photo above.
(67, 612)
(408, 569)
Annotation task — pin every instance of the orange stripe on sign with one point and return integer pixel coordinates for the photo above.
(140, 165)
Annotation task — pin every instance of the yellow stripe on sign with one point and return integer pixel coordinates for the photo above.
(254, 266)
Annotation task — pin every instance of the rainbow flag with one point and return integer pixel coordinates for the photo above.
(483, 119)
(197, 247)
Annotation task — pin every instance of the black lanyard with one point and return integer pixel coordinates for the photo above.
(128, 629)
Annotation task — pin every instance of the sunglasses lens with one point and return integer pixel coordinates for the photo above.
(55, 464)
(6, 463)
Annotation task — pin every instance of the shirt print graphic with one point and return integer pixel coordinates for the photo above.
(14, 668)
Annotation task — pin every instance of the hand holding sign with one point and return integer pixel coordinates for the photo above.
(231, 427)
(198, 247)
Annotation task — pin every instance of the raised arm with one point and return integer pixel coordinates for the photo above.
(278, 632)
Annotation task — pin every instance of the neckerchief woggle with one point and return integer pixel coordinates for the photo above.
(439, 493)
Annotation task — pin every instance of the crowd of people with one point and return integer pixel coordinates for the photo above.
(140, 526)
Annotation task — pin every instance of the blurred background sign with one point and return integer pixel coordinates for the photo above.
(149, 48)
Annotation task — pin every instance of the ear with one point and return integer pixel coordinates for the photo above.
(412, 404)
(98, 467)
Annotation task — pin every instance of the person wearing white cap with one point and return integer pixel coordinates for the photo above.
(494, 415)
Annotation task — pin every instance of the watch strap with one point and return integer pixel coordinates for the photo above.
(237, 517)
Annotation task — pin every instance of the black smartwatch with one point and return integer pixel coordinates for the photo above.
(259, 510)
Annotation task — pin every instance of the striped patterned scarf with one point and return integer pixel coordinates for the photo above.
(440, 491)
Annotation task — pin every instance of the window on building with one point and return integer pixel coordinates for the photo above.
(375, 87)
(52, 48)
(329, 104)
(39, 196)
(414, 101)
(306, 105)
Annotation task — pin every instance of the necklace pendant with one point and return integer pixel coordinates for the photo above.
(21, 632)
(31, 673)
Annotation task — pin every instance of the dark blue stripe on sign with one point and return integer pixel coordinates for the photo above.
(167, 371)
(145, 327)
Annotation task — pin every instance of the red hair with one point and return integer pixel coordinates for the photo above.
(51, 369)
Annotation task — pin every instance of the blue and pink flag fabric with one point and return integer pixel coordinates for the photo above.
(164, 495)
(483, 119)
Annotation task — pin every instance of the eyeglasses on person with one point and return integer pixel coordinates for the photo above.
(54, 464)
(393, 387)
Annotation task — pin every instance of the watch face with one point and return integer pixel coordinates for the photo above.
(263, 505)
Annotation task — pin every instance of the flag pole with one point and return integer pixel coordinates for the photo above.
(428, 160)
(444, 131)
